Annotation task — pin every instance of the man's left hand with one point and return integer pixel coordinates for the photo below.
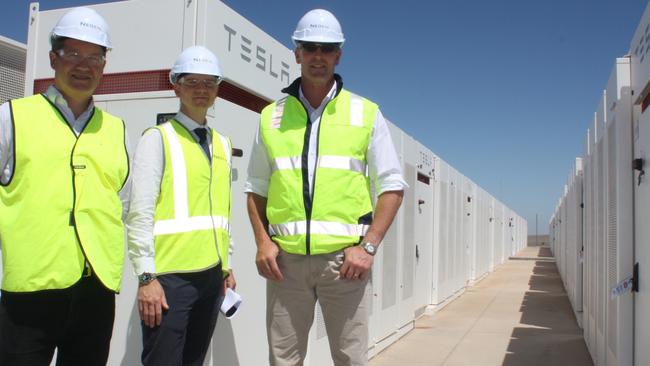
(229, 282)
(356, 263)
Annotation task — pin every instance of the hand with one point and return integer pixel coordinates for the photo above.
(151, 303)
(229, 282)
(265, 259)
(356, 263)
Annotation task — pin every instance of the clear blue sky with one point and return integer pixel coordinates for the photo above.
(503, 90)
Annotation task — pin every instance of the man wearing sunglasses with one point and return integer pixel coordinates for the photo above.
(179, 219)
(63, 169)
(314, 157)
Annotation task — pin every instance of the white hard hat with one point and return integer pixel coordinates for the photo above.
(83, 24)
(195, 60)
(318, 26)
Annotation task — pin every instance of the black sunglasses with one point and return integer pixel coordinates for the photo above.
(324, 47)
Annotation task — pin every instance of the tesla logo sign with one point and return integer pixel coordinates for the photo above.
(643, 46)
(253, 53)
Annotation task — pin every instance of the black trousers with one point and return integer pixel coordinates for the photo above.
(77, 321)
(184, 334)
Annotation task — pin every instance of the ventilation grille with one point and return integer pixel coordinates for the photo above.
(158, 80)
(12, 73)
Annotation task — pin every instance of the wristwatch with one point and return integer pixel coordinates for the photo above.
(369, 248)
(145, 278)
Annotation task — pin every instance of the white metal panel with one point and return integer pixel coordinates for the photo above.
(611, 244)
(600, 225)
(407, 254)
(452, 232)
(622, 112)
(498, 233)
(491, 231)
(641, 240)
(124, 21)
(640, 81)
(435, 224)
(579, 247)
(470, 203)
(487, 231)
(620, 228)
(588, 242)
(423, 254)
(443, 264)
(455, 231)
(384, 320)
(470, 228)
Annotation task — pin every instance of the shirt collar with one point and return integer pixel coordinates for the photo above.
(189, 123)
(54, 95)
(330, 95)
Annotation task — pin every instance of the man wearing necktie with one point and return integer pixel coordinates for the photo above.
(179, 219)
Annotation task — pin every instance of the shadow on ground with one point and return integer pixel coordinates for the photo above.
(551, 335)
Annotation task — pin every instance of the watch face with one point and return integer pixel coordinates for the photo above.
(146, 278)
(369, 248)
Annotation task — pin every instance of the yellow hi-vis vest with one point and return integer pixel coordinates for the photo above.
(61, 207)
(339, 212)
(192, 215)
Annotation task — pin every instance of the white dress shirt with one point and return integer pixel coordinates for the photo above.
(383, 164)
(147, 172)
(77, 125)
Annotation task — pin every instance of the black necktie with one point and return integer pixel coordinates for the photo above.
(202, 133)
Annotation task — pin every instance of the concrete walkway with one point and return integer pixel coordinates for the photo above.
(519, 315)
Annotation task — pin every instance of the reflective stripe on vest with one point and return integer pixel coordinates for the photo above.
(185, 224)
(341, 195)
(182, 222)
(278, 111)
(62, 209)
(319, 227)
(185, 232)
(356, 111)
(334, 162)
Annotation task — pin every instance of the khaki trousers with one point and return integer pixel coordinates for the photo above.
(291, 304)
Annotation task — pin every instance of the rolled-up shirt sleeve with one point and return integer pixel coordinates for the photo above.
(259, 168)
(384, 167)
(146, 175)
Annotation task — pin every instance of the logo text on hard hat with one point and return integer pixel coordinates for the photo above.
(318, 26)
(90, 25)
(201, 59)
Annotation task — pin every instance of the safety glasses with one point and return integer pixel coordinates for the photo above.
(75, 57)
(312, 47)
(191, 83)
